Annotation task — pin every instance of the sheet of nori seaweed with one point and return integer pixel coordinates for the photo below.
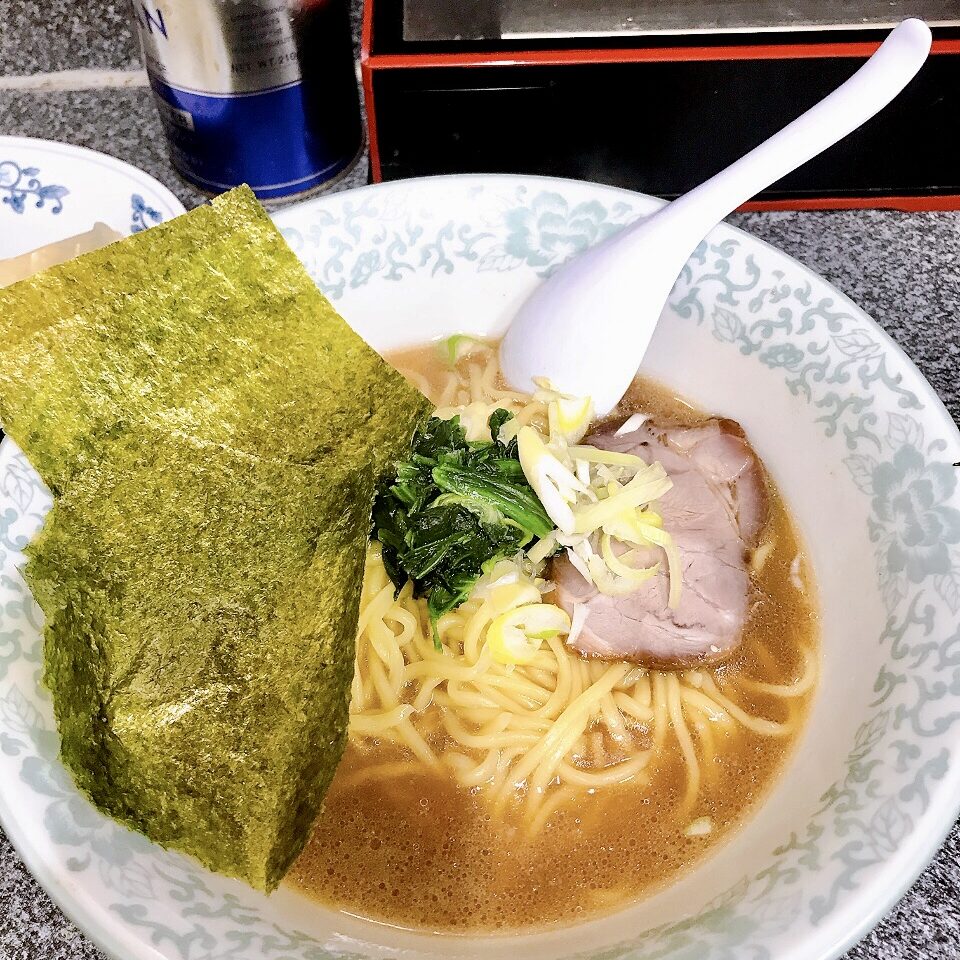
(212, 432)
(207, 325)
(201, 611)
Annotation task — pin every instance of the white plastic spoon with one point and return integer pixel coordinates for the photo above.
(588, 326)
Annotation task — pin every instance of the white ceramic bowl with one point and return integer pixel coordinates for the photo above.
(860, 446)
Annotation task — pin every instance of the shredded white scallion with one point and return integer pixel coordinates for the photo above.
(761, 555)
(577, 622)
(795, 577)
(602, 503)
(634, 422)
(599, 500)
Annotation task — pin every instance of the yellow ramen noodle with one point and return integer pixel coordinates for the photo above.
(559, 754)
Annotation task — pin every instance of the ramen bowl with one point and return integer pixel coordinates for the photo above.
(858, 444)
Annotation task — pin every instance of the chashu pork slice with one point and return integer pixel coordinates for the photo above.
(716, 513)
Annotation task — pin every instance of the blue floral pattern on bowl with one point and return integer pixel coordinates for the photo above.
(550, 231)
(916, 528)
(764, 316)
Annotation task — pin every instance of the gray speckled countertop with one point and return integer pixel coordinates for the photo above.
(903, 269)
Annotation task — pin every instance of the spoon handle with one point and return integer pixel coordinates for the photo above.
(588, 326)
(866, 93)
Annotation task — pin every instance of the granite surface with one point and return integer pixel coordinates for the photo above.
(903, 269)
(122, 122)
(37, 36)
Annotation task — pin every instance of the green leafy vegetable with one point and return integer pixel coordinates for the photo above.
(454, 508)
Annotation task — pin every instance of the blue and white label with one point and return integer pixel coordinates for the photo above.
(227, 78)
(261, 139)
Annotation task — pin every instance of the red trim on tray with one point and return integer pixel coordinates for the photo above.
(366, 78)
(791, 51)
(366, 31)
(369, 62)
(948, 201)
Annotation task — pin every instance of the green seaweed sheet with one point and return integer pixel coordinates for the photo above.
(213, 433)
(211, 720)
(208, 326)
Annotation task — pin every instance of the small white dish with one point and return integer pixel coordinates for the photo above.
(861, 448)
(50, 191)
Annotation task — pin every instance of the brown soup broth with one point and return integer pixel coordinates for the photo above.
(400, 844)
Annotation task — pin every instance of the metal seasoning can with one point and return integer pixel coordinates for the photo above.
(261, 92)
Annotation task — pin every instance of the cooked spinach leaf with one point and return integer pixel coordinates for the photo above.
(454, 508)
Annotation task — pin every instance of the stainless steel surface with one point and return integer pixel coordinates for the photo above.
(527, 19)
(222, 46)
(446, 20)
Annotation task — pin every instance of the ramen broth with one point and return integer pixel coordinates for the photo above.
(402, 843)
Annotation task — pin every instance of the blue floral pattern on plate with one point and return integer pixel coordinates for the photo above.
(50, 191)
(142, 214)
(20, 184)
